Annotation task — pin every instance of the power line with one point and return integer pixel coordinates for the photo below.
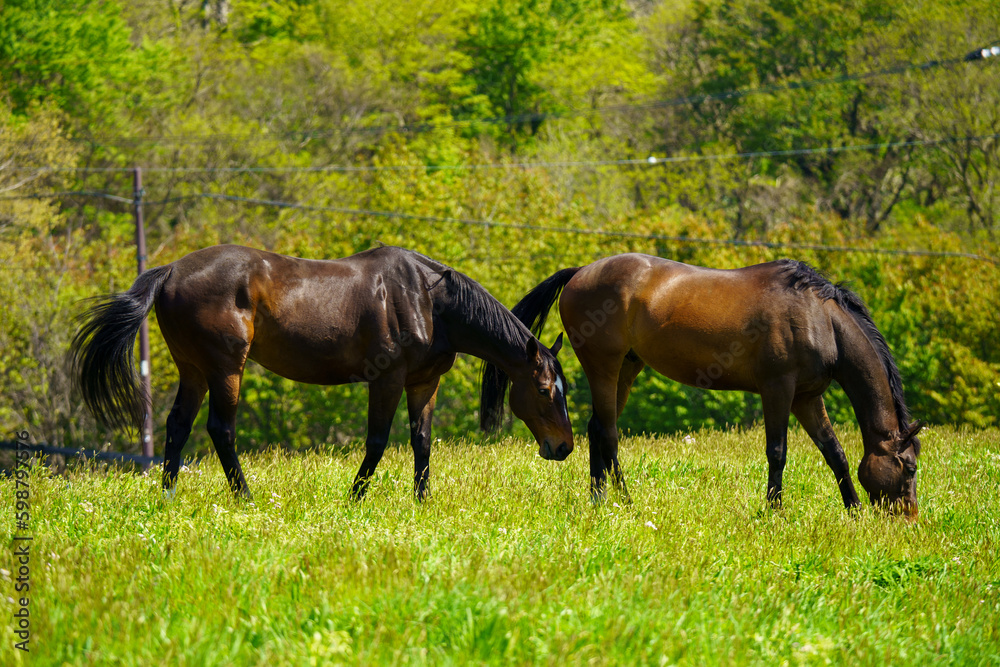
(473, 222)
(536, 117)
(69, 193)
(636, 162)
(523, 226)
(586, 232)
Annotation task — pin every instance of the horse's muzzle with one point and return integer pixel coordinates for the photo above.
(559, 454)
(902, 507)
(909, 510)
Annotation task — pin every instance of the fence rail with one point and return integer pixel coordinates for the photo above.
(118, 457)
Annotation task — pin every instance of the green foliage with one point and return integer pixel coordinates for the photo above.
(793, 54)
(281, 20)
(75, 55)
(509, 42)
(267, 101)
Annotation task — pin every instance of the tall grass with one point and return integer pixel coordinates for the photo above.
(510, 563)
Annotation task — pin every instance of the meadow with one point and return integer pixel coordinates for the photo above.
(510, 563)
(508, 139)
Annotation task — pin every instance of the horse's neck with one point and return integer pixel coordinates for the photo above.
(863, 377)
(470, 335)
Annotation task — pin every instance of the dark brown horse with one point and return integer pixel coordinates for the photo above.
(389, 317)
(778, 329)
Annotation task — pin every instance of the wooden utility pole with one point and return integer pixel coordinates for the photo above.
(144, 370)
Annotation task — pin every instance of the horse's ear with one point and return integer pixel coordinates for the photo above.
(532, 349)
(906, 438)
(913, 430)
(556, 346)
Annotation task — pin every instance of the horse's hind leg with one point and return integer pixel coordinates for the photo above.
(811, 413)
(609, 387)
(632, 365)
(776, 400)
(223, 397)
(190, 394)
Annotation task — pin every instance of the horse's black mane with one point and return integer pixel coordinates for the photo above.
(801, 276)
(484, 310)
(461, 293)
(474, 302)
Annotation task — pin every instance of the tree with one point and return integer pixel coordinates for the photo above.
(77, 55)
(510, 43)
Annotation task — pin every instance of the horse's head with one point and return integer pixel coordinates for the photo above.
(538, 398)
(889, 472)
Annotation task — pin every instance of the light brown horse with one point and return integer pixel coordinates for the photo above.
(388, 317)
(778, 329)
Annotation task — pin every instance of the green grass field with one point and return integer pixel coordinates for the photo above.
(510, 563)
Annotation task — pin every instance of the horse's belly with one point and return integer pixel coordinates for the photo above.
(725, 365)
(713, 374)
(331, 356)
(310, 349)
(311, 364)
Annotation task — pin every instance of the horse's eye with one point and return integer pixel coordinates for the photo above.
(543, 391)
(911, 469)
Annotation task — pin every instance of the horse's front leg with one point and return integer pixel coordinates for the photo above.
(383, 398)
(420, 401)
(811, 413)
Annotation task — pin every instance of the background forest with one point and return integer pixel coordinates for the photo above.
(508, 138)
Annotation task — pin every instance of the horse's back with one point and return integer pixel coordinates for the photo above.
(665, 290)
(231, 277)
(308, 320)
(684, 320)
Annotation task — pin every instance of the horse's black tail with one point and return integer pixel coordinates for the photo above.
(532, 311)
(101, 352)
